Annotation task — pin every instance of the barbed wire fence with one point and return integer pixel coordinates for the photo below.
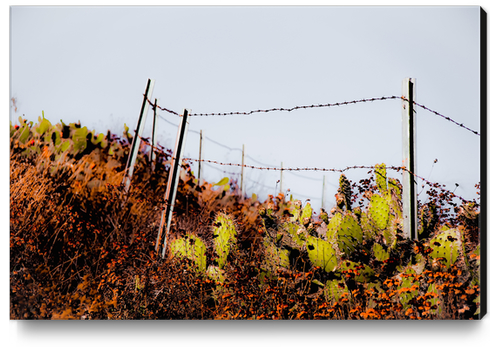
(268, 167)
(410, 195)
(255, 182)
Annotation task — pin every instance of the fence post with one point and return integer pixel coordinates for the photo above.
(153, 139)
(201, 154)
(242, 187)
(172, 183)
(324, 195)
(409, 159)
(133, 153)
(280, 180)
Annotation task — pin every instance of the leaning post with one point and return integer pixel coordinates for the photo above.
(153, 137)
(172, 183)
(135, 145)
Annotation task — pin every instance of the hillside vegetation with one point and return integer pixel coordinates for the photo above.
(80, 248)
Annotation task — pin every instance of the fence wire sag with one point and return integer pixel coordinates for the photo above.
(281, 109)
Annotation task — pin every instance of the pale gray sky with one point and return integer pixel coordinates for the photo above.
(92, 64)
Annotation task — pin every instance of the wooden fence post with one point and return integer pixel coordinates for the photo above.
(409, 159)
(173, 181)
(135, 145)
(153, 139)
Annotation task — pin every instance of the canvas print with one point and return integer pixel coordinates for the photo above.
(247, 163)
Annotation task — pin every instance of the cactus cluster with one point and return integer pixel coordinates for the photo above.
(192, 247)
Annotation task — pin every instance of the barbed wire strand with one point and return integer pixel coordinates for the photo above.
(247, 113)
(394, 168)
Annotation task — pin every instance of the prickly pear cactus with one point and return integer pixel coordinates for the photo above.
(380, 253)
(356, 271)
(345, 231)
(410, 287)
(335, 290)
(294, 208)
(344, 195)
(306, 214)
(321, 253)
(224, 232)
(191, 247)
(436, 300)
(216, 274)
(381, 178)
(448, 245)
(293, 235)
(274, 257)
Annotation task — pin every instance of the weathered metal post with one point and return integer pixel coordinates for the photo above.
(201, 154)
(242, 187)
(324, 195)
(173, 181)
(281, 178)
(153, 137)
(409, 159)
(135, 146)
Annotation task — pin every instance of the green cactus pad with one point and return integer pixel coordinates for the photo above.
(275, 258)
(306, 214)
(24, 132)
(379, 210)
(360, 272)
(380, 253)
(296, 237)
(321, 253)
(216, 274)
(333, 227)
(411, 287)
(381, 180)
(190, 247)
(368, 226)
(294, 210)
(334, 289)
(390, 232)
(79, 138)
(345, 231)
(224, 237)
(394, 185)
(345, 192)
(437, 300)
(447, 245)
